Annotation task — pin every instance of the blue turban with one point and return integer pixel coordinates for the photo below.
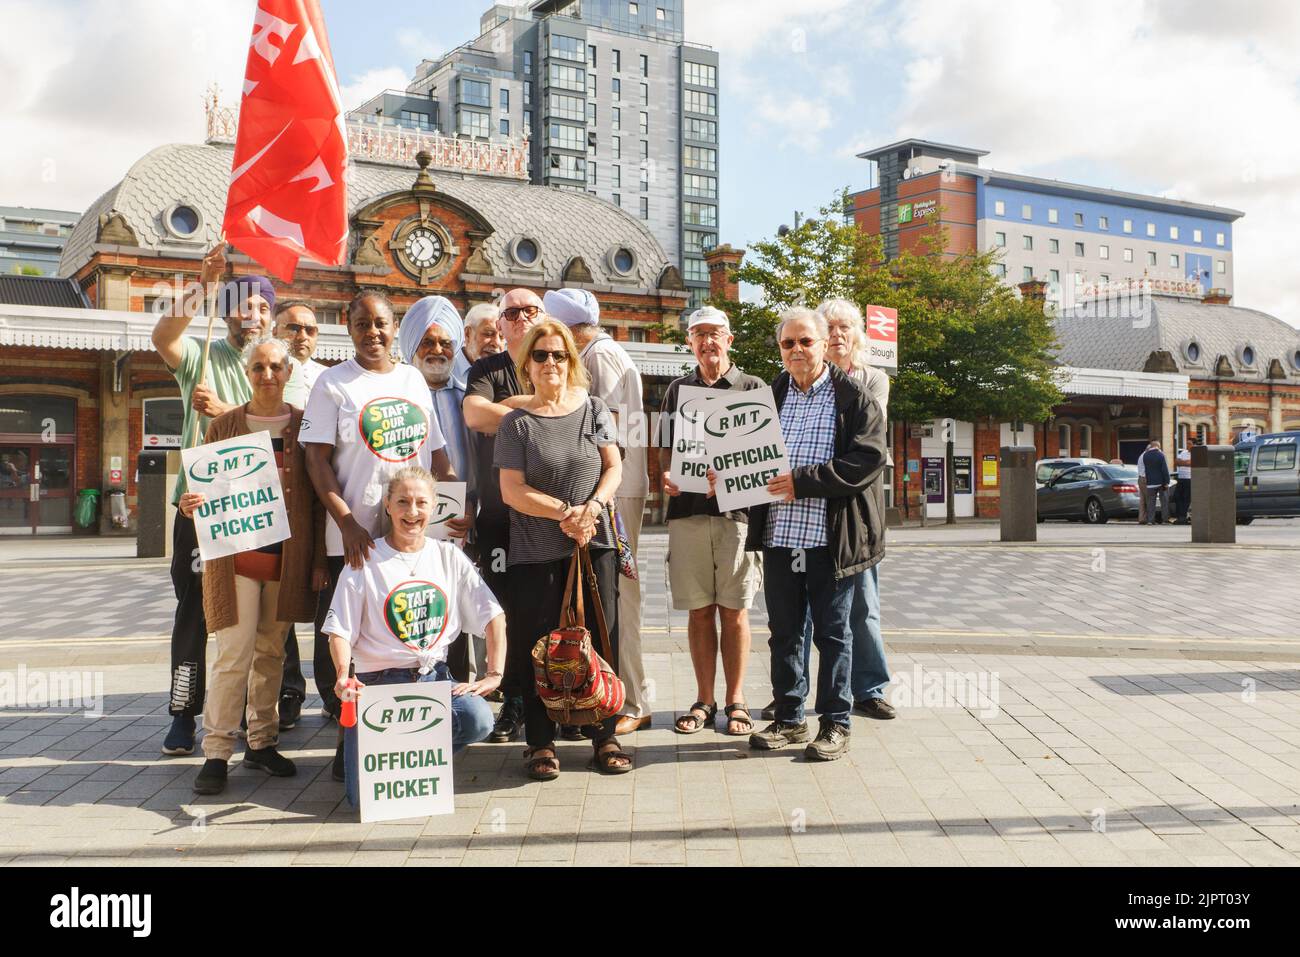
(422, 315)
(240, 290)
(573, 307)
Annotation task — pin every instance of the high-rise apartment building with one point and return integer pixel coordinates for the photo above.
(612, 99)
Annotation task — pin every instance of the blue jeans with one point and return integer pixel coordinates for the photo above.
(791, 597)
(471, 720)
(869, 674)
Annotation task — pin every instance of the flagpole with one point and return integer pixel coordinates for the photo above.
(210, 308)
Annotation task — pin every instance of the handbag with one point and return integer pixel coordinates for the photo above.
(577, 685)
(626, 557)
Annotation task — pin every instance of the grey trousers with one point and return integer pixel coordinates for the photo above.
(1158, 513)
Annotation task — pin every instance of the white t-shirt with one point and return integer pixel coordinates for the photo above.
(404, 609)
(377, 423)
(615, 380)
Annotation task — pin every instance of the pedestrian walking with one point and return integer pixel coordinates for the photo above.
(1156, 469)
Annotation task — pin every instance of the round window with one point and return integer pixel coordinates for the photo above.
(183, 220)
(1247, 355)
(526, 252)
(1295, 360)
(624, 260)
(1193, 352)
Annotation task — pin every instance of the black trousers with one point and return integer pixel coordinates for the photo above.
(293, 683)
(536, 596)
(190, 627)
(1182, 499)
(490, 545)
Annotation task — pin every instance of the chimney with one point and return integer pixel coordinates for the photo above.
(1033, 290)
(1217, 297)
(723, 262)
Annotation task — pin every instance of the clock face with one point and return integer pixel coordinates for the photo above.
(423, 248)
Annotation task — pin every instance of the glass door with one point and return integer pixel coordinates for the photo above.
(16, 489)
(54, 488)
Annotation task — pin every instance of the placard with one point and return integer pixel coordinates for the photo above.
(449, 504)
(244, 509)
(746, 448)
(690, 459)
(404, 751)
(990, 470)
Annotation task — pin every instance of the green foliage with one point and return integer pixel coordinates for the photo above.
(969, 347)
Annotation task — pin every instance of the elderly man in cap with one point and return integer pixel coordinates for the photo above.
(615, 380)
(710, 574)
(246, 304)
(492, 380)
(430, 339)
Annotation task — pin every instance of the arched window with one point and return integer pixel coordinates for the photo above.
(1184, 432)
(1085, 440)
(1063, 439)
(1202, 435)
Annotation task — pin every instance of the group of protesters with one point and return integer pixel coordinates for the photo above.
(540, 413)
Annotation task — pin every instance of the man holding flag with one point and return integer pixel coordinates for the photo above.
(212, 381)
(287, 199)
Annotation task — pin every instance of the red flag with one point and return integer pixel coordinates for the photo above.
(288, 192)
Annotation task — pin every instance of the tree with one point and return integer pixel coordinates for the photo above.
(969, 346)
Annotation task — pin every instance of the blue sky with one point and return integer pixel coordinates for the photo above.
(1194, 99)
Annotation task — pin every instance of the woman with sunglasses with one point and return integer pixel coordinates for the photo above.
(558, 457)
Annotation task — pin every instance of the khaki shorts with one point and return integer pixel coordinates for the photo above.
(708, 564)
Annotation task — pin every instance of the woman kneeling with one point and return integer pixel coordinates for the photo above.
(397, 615)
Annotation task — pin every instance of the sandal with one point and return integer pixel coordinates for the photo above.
(740, 715)
(697, 723)
(605, 761)
(542, 767)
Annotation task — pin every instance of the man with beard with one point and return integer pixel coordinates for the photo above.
(492, 380)
(246, 304)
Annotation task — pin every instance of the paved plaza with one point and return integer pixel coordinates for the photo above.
(1107, 695)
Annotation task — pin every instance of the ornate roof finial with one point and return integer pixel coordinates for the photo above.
(423, 179)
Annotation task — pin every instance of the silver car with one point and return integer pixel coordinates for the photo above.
(1090, 493)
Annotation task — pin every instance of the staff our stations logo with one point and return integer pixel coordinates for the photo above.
(416, 613)
(392, 428)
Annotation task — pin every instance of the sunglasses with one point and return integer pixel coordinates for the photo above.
(806, 342)
(297, 327)
(541, 355)
(514, 313)
(440, 344)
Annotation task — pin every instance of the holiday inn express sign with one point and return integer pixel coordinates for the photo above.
(919, 210)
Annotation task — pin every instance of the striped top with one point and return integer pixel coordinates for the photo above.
(559, 456)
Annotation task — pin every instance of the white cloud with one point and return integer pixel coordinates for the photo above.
(365, 85)
(738, 29)
(90, 88)
(789, 120)
(1182, 97)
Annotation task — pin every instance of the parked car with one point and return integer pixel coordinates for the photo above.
(1046, 469)
(1268, 477)
(1090, 493)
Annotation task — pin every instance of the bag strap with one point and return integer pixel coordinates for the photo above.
(599, 608)
(569, 615)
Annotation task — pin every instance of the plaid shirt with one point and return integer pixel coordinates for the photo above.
(808, 425)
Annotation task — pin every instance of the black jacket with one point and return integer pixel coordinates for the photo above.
(852, 482)
(1157, 468)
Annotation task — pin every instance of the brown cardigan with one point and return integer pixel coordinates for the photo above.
(304, 549)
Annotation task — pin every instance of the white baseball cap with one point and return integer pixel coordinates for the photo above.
(707, 316)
